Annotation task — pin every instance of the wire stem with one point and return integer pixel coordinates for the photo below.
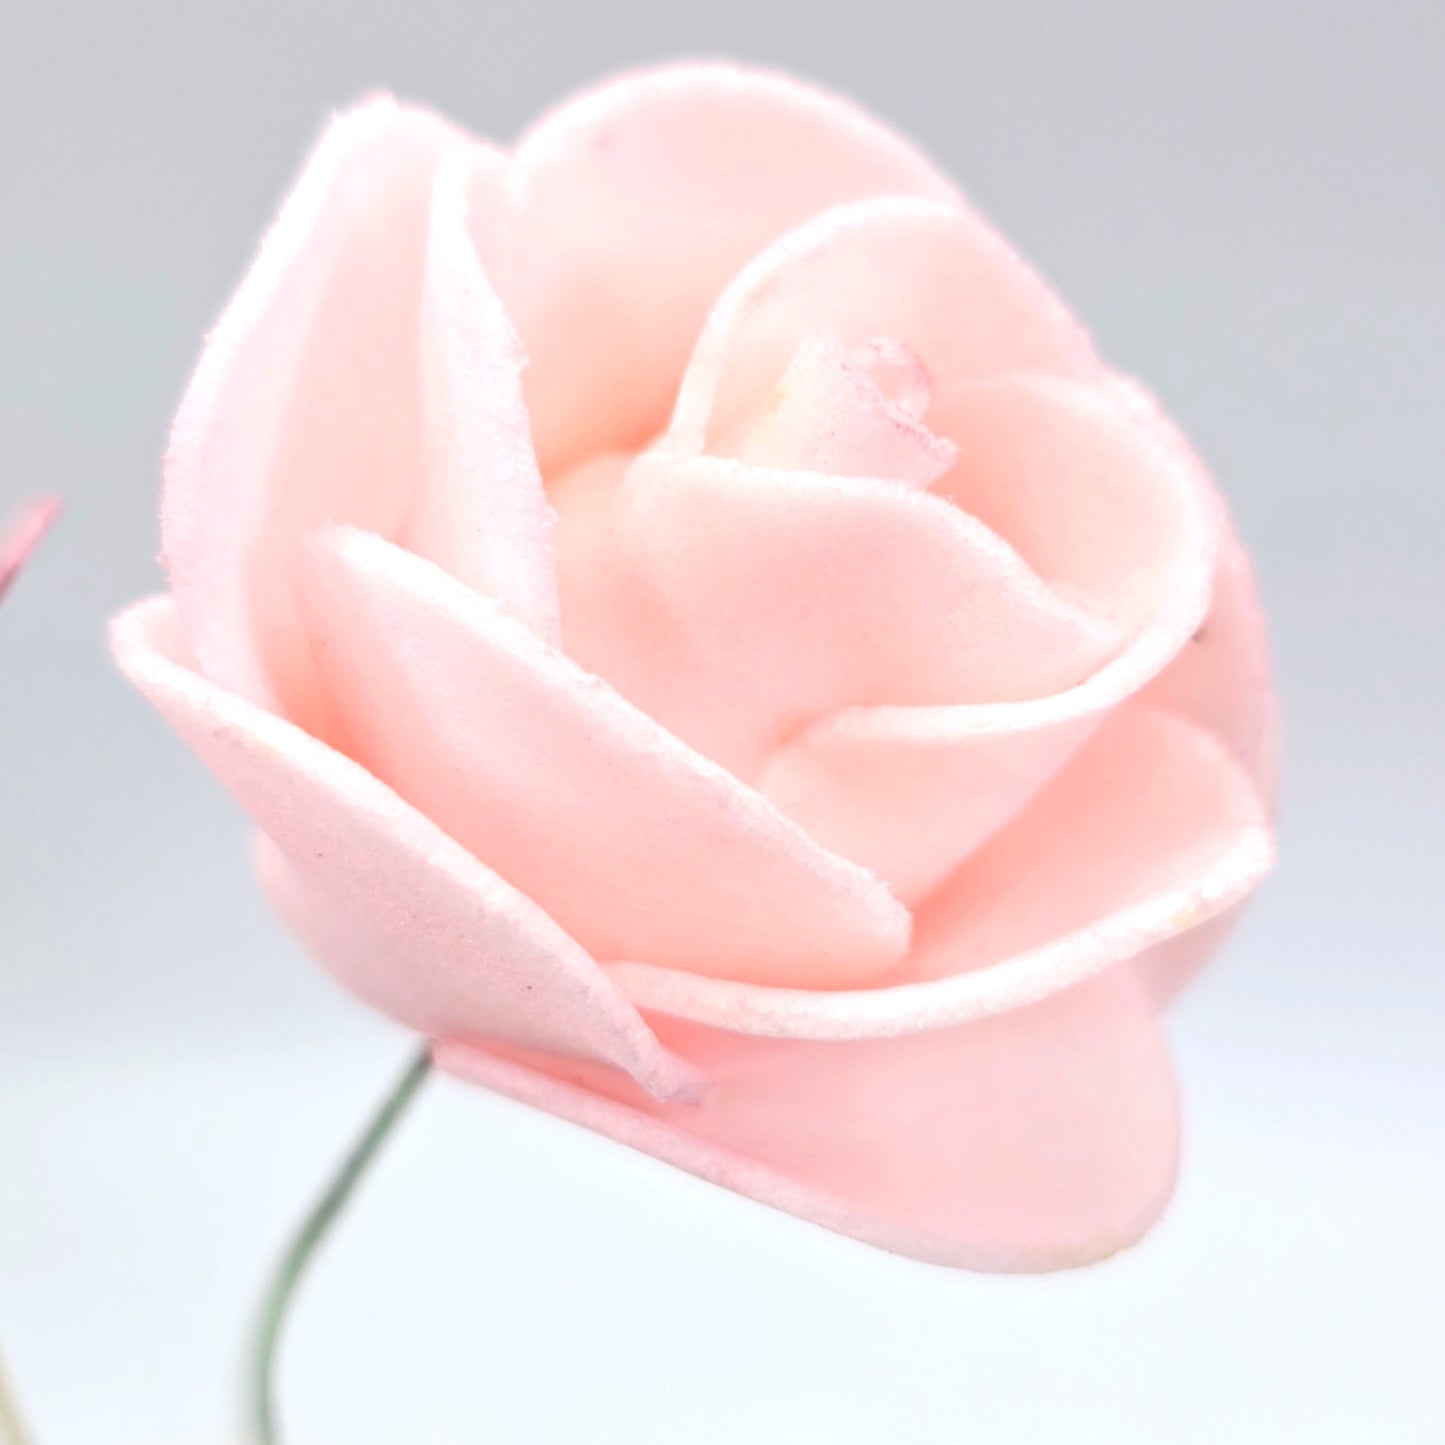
(308, 1238)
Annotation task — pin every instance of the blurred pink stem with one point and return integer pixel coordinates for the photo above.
(21, 541)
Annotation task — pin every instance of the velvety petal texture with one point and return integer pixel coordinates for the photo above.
(480, 510)
(633, 842)
(1150, 831)
(456, 951)
(1039, 1139)
(305, 406)
(661, 186)
(738, 604)
(852, 411)
(933, 278)
(706, 640)
(1061, 469)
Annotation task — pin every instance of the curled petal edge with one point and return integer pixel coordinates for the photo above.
(458, 951)
(1011, 983)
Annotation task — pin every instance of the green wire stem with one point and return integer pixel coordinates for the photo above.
(308, 1238)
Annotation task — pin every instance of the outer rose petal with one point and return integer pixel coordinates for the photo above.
(17, 544)
(1096, 502)
(457, 953)
(1150, 831)
(1221, 683)
(482, 513)
(630, 207)
(1221, 679)
(1167, 969)
(1043, 1138)
(305, 406)
(737, 605)
(933, 278)
(631, 841)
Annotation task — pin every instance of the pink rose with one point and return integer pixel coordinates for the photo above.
(707, 641)
(21, 540)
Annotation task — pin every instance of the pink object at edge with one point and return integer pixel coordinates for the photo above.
(707, 641)
(23, 537)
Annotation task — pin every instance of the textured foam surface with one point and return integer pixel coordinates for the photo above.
(706, 639)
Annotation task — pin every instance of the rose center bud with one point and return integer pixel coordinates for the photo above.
(854, 410)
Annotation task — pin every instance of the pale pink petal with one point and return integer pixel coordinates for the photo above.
(305, 406)
(910, 792)
(1102, 510)
(632, 842)
(1221, 682)
(1040, 1139)
(935, 279)
(1094, 501)
(482, 513)
(1222, 679)
(854, 411)
(22, 539)
(458, 953)
(1167, 969)
(630, 207)
(1151, 830)
(737, 605)
(1152, 808)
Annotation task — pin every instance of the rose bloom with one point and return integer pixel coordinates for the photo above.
(707, 642)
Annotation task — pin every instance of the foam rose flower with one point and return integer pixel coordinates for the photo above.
(707, 642)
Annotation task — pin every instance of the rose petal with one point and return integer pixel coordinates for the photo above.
(458, 953)
(631, 841)
(23, 538)
(1101, 508)
(1151, 809)
(1091, 499)
(630, 207)
(1040, 1139)
(737, 605)
(305, 405)
(1151, 830)
(833, 412)
(910, 792)
(1222, 680)
(933, 278)
(1167, 969)
(482, 513)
